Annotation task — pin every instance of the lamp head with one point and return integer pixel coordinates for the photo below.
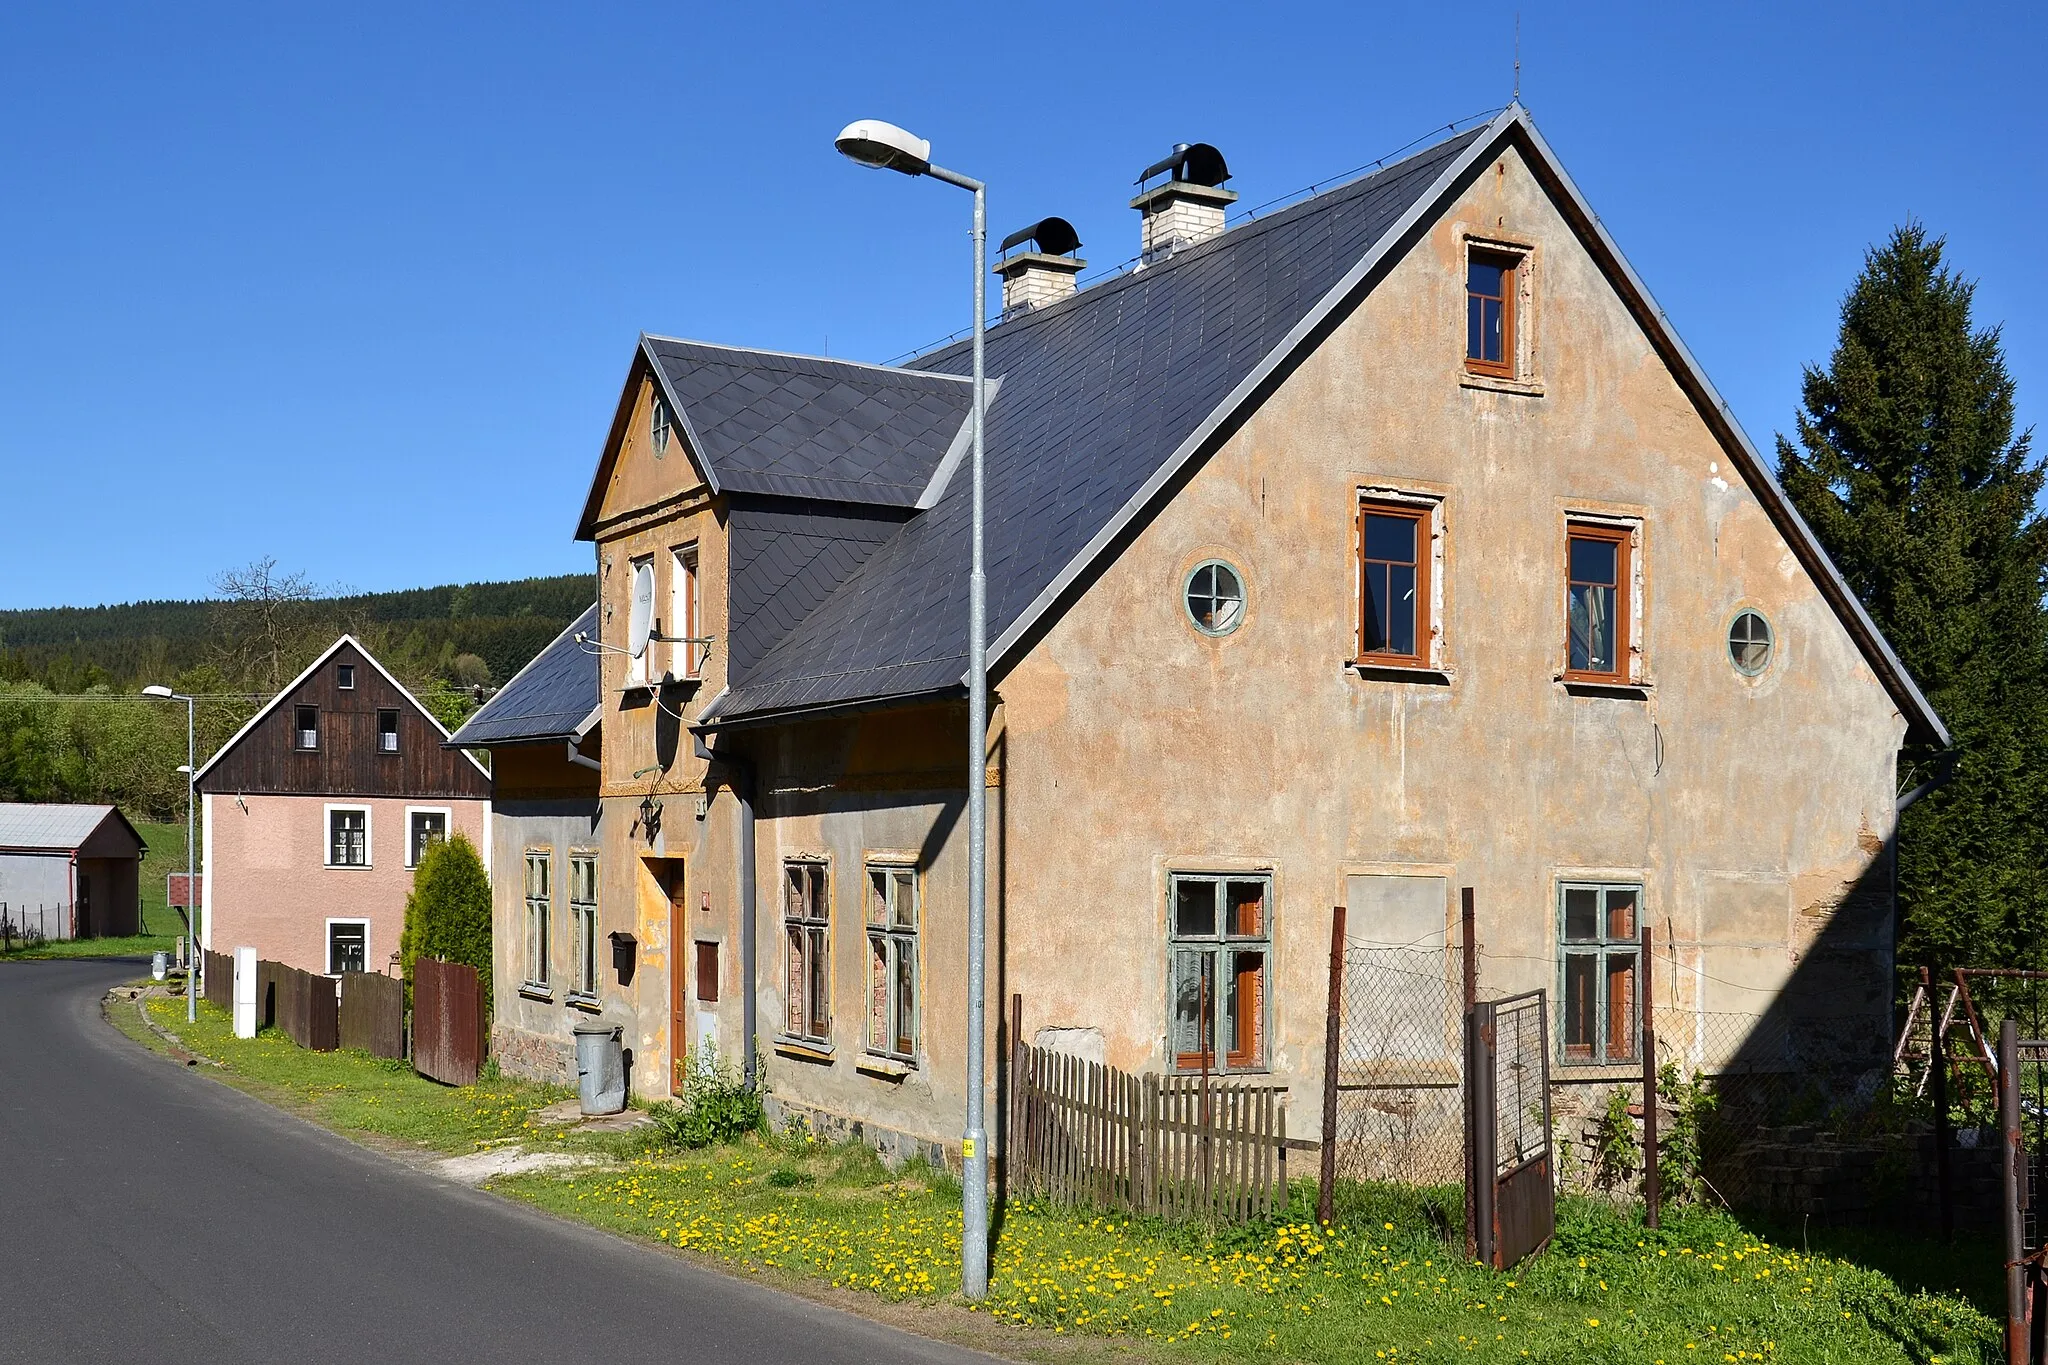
(884, 146)
(157, 690)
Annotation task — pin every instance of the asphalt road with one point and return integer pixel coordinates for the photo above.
(148, 1213)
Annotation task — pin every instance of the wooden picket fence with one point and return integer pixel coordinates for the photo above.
(1191, 1147)
(304, 1005)
(220, 980)
(448, 1021)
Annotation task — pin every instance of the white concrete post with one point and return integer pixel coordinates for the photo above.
(245, 992)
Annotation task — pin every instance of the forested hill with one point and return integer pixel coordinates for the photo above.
(72, 727)
(74, 649)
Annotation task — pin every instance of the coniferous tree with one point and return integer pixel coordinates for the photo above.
(1908, 470)
(448, 914)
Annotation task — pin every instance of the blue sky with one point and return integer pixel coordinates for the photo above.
(356, 286)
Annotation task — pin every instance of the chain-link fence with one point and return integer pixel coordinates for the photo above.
(1400, 1069)
(1770, 1109)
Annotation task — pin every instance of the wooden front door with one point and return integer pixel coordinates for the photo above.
(678, 977)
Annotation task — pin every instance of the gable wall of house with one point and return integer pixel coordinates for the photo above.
(269, 885)
(347, 761)
(1754, 812)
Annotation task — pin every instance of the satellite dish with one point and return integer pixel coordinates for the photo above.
(641, 624)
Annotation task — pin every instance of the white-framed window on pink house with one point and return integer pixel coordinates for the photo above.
(348, 836)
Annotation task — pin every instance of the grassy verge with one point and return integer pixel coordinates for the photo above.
(140, 945)
(166, 854)
(361, 1095)
(1380, 1286)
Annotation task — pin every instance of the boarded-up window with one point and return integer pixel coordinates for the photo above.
(1396, 932)
(1219, 934)
(707, 973)
(892, 961)
(807, 932)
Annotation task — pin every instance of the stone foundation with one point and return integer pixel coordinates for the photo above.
(891, 1145)
(534, 1056)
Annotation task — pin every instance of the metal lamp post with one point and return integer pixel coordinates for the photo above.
(191, 770)
(884, 146)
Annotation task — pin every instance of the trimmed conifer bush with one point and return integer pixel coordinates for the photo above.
(448, 914)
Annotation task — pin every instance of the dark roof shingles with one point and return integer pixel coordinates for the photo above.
(1097, 394)
(548, 699)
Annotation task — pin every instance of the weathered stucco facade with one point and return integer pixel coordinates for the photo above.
(1750, 813)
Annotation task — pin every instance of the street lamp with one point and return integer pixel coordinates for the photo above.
(884, 146)
(191, 768)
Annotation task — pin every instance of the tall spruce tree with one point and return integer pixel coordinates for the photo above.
(1908, 470)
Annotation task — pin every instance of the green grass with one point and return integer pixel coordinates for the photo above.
(166, 854)
(362, 1095)
(140, 945)
(1382, 1285)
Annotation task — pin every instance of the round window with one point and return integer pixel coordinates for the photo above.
(1215, 598)
(1750, 643)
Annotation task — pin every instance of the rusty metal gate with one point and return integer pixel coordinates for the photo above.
(1507, 1097)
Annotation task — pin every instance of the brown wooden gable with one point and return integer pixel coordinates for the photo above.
(265, 757)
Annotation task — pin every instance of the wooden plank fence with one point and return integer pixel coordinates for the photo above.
(300, 1003)
(1189, 1147)
(373, 1014)
(220, 980)
(447, 1021)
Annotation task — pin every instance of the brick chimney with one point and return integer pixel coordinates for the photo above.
(1033, 279)
(1188, 207)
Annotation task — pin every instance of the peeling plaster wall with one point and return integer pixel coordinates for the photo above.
(1755, 812)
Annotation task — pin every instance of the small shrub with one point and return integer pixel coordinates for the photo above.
(716, 1107)
(448, 914)
(1678, 1144)
(1616, 1155)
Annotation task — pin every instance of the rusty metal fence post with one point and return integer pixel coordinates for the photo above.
(1937, 1064)
(1326, 1176)
(2012, 1170)
(1480, 1130)
(1653, 1186)
(1469, 970)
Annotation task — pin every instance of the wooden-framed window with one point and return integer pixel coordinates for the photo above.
(659, 424)
(348, 836)
(1598, 601)
(636, 664)
(345, 677)
(892, 961)
(1396, 554)
(583, 923)
(305, 727)
(540, 876)
(685, 608)
(1490, 288)
(707, 972)
(1600, 950)
(807, 934)
(387, 732)
(424, 825)
(1219, 942)
(348, 945)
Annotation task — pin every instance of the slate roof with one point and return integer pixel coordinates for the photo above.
(547, 699)
(52, 827)
(1097, 393)
(807, 427)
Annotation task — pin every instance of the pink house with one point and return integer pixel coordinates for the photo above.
(316, 812)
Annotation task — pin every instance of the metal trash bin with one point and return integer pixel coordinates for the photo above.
(600, 1068)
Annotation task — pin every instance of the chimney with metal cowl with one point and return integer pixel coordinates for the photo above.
(1188, 207)
(1033, 279)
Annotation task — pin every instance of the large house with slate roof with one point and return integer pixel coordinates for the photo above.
(1385, 545)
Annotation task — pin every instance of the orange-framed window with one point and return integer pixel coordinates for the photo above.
(1395, 556)
(1601, 932)
(1597, 602)
(1220, 943)
(1490, 312)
